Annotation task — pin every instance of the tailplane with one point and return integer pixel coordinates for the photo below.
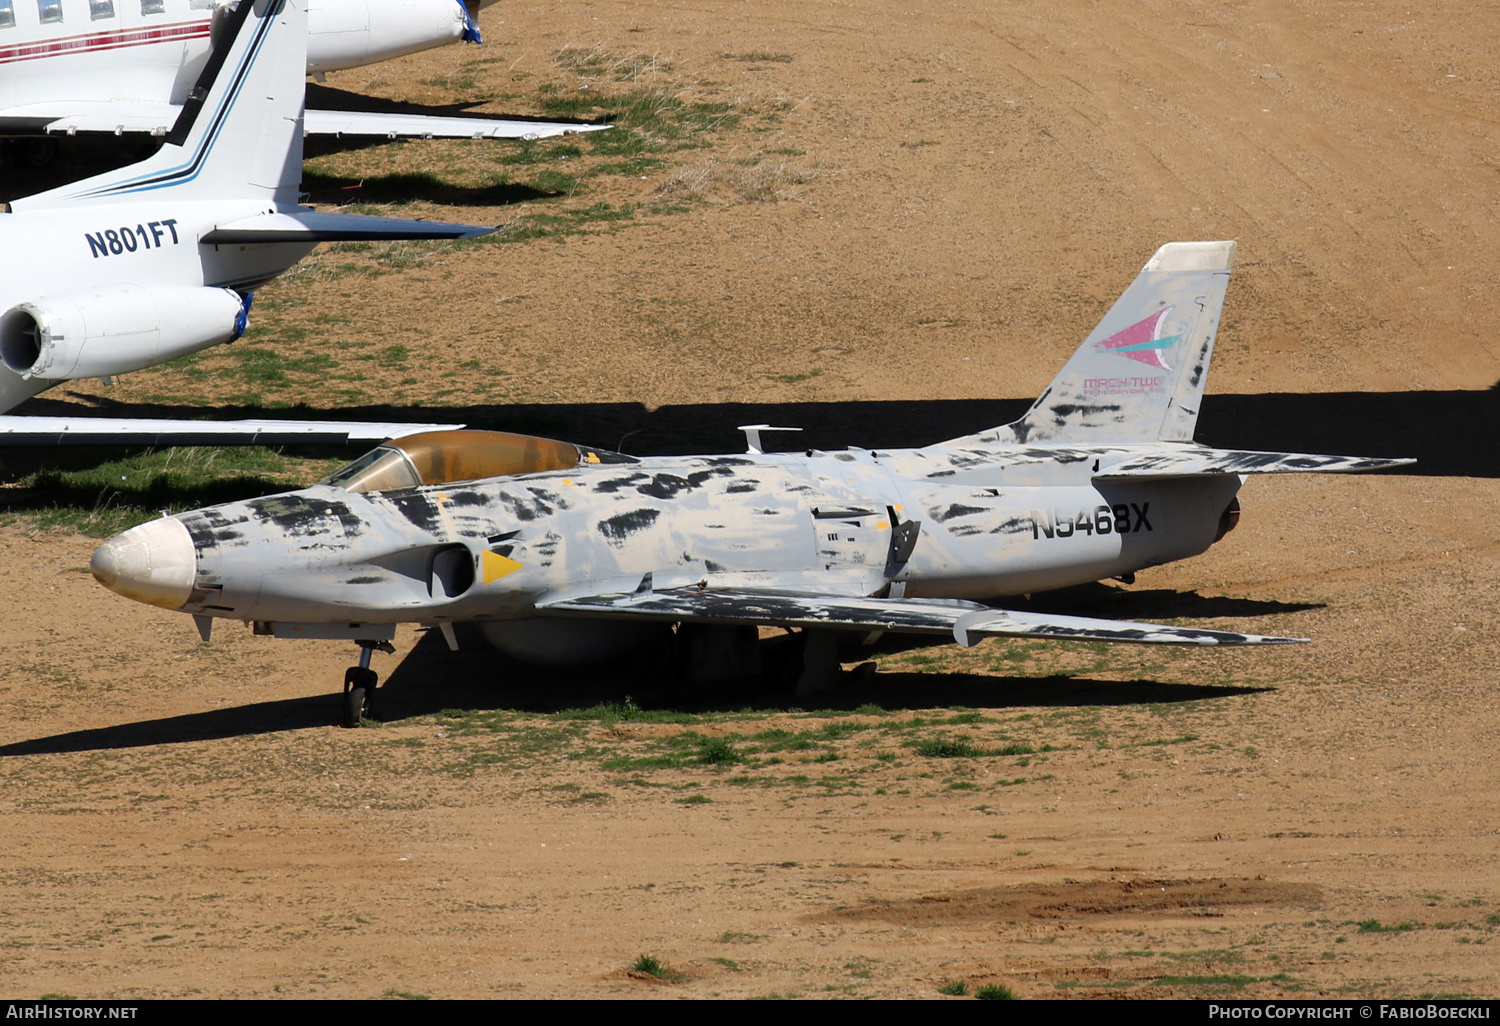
(1139, 375)
(240, 131)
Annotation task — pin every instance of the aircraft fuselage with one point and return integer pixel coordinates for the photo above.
(825, 523)
(154, 50)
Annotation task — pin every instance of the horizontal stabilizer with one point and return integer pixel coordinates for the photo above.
(326, 226)
(418, 126)
(967, 622)
(18, 431)
(1193, 461)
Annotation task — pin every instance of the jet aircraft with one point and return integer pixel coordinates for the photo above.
(159, 259)
(562, 553)
(134, 64)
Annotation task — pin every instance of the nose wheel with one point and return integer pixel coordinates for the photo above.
(359, 684)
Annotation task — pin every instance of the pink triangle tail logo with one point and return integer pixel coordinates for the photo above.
(1142, 341)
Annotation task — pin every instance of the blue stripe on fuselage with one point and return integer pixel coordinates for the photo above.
(187, 172)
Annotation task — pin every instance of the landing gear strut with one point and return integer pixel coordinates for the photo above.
(359, 684)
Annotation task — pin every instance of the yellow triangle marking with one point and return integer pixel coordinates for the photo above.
(497, 566)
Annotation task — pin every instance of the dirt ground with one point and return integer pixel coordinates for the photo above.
(974, 182)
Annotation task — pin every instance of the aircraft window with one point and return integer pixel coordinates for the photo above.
(7, 14)
(101, 9)
(202, 5)
(153, 6)
(379, 470)
(442, 457)
(50, 10)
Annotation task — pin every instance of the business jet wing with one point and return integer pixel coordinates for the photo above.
(40, 432)
(966, 622)
(119, 117)
(417, 126)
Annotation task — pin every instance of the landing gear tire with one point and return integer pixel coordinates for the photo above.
(359, 695)
(355, 700)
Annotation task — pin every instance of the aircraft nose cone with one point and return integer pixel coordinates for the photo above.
(154, 563)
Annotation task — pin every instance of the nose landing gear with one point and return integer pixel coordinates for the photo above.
(359, 683)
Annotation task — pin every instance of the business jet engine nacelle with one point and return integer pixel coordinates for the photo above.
(113, 329)
(353, 33)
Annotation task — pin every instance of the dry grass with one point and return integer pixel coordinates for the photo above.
(741, 181)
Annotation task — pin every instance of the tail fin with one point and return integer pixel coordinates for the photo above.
(240, 132)
(1139, 375)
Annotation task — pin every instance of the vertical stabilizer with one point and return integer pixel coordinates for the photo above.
(239, 135)
(1139, 375)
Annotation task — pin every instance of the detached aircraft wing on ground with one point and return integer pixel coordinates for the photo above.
(562, 554)
(127, 67)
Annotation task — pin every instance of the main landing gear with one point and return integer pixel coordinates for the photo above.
(359, 683)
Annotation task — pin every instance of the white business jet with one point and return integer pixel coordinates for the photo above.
(127, 66)
(137, 266)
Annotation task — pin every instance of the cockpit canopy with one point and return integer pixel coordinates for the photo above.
(443, 457)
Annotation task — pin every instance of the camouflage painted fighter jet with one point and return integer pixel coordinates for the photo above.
(562, 554)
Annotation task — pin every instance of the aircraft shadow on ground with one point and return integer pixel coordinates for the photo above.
(1449, 433)
(431, 679)
(417, 186)
(1109, 602)
(240, 721)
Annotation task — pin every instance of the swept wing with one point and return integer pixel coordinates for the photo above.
(967, 622)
